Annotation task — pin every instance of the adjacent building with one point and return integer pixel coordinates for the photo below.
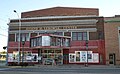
(63, 35)
(112, 39)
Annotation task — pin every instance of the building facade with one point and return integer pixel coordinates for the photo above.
(112, 40)
(83, 26)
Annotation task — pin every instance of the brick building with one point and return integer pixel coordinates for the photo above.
(112, 40)
(46, 35)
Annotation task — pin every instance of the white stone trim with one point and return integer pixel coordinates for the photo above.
(56, 17)
(65, 22)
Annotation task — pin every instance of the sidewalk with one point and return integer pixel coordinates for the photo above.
(68, 66)
(75, 66)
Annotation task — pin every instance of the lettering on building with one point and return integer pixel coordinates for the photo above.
(53, 28)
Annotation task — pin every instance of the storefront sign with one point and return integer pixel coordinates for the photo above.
(52, 27)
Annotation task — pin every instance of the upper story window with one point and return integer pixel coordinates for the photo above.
(50, 41)
(79, 35)
(59, 33)
(23, 37)
(67, 34)
(55, 33)
(11, 37)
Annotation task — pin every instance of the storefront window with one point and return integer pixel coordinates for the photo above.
(54, 54)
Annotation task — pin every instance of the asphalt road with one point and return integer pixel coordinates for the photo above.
(57, 70)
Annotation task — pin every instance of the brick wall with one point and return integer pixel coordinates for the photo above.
(61, 11)
(112, 40)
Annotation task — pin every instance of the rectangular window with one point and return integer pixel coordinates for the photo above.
(31, 42)
(84, 35)
(59, 33)
(27, 37)
(23, 37)
(12, 37)
(34, 42)
(74, 36)
(67, 34)
(79, 36)
(17, 37)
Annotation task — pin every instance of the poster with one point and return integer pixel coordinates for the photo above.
(90, 56)
(83, 56)
(95, 57)
(10, 57)
(71, 57)
(77, 53)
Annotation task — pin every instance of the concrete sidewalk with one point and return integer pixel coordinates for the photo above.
(71, 66)
(68, 66)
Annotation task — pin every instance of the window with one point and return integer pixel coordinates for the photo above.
(79, 36)
(17, 37)
(85, 36)
(32, 43)
(27, 37)
(74, 36)
(67, 34)
(59, 33)
(12, 37)
(24, 37)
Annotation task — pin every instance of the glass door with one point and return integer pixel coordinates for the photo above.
(53, 56)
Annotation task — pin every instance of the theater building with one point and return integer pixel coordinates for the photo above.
(64, 35)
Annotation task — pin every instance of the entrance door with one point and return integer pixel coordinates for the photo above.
(65, 56)
(52, 56)
(112, 59)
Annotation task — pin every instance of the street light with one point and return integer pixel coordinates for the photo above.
(19, 37)
(23, 43)
(87, 53)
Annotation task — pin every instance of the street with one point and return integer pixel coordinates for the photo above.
(60, 70)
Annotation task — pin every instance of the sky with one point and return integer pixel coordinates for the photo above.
(107, 8)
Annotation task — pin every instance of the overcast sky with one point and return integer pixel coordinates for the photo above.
(106, 8)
